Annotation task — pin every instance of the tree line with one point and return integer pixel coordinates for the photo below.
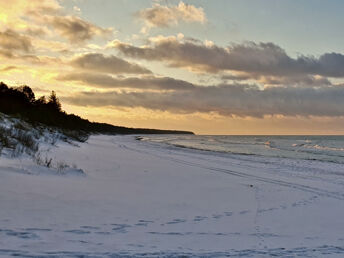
(21, 101)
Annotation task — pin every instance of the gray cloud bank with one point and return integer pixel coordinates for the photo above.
(263, 59)
(229, 100)
(144, 83)
(107, 64)
(303, 88)
(75, 29)
(13, 41)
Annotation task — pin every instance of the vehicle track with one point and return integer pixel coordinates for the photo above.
(301, 187)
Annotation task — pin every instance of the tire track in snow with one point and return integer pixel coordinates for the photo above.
(301, 187)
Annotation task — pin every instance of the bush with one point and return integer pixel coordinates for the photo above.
(5, 135)
(17, 137)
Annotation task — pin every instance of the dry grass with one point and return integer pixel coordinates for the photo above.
(18, 137)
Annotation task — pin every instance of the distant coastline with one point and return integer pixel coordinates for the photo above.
(21, 102)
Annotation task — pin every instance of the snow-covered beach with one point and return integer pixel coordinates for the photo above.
(141, 198)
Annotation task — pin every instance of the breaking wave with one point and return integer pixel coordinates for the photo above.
(323, 148)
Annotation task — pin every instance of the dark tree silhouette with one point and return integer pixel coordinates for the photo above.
(21, 102)
(30, 95)
(41, 101)
(54, 102)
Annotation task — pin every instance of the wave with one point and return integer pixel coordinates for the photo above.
(322, 148)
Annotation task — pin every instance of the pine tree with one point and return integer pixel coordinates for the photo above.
(54, 102)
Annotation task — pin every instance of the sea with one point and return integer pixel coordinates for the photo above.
(322, 148)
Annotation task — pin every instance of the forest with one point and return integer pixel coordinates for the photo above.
(21, 102)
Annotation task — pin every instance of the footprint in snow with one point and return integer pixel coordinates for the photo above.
(89, 227)
(102, 233)
(79, 241)
(176, 221)
(144, 223)
(167, 233)
(77, 231)
(217, 216)
(266, 210)
(19, 234)
(38, 229)
(228, 213)
(120, 228)
(199, 218)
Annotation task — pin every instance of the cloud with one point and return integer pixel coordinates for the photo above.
(15, 46)
(107, 64)
(147, 82)
(13, 41)
(297, 81)
(40, 7)
(256, 59)
(290, 81)
(228, 100)
(6, 53)
(76, 9)
(235, 77)
(42, 20)
(8, 68)
(35, 32)
(75, 29)
(12, 11)
(167, 16)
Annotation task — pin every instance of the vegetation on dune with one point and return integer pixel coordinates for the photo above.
(25, 122)
(21, 102)
(18, 137)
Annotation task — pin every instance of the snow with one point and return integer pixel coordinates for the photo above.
(145, 199)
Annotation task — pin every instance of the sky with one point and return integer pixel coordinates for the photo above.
(211, 67)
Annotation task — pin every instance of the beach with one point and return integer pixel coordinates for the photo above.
(138, 198)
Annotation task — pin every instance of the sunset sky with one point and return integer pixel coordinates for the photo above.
(209, 66)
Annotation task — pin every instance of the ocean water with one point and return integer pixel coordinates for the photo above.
(323, 148)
